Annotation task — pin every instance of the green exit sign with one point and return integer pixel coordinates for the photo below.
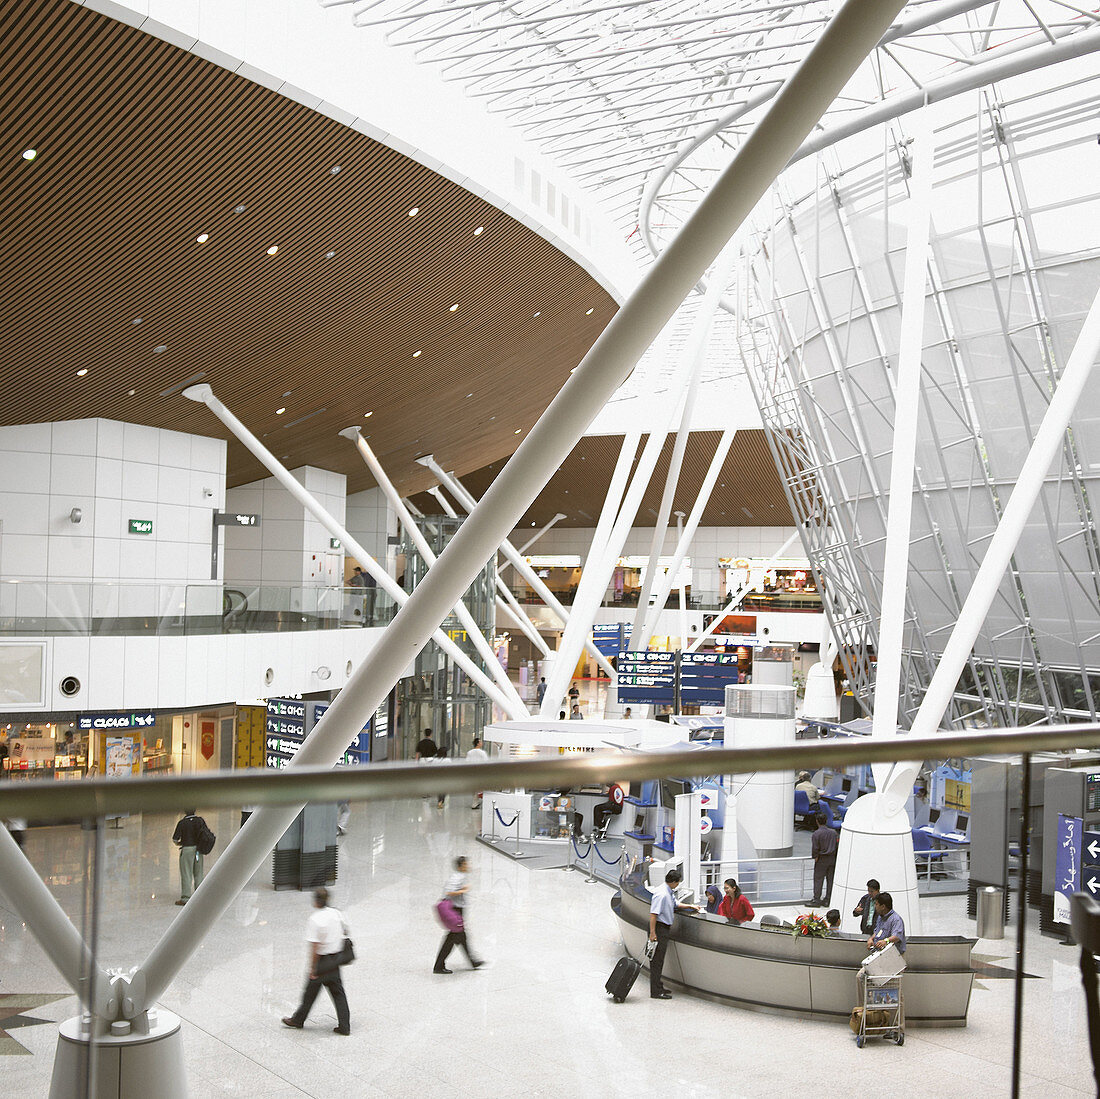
(141, 526)
(334, 543)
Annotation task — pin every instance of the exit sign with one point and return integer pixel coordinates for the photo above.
(334, 543)
(141, 526)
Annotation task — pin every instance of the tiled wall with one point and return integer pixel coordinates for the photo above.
(372, 521)
(289, 547)
(112, 472)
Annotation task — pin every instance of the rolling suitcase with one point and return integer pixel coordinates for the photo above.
(622, 978)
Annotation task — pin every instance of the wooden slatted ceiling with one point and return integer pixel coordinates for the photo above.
(142, 147)
(748, 492)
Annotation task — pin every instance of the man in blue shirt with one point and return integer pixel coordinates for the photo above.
(662, 911)
(889, 926)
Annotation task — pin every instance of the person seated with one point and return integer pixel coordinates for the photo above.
(808, 788)
(714, 899)
(610, 808)
(735, 905)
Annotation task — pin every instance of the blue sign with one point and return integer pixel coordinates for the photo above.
(608, 637)
(1090, 849)
(704, 677)
(144, 720)
(1067, 866)
(646, 678)
(358, 750)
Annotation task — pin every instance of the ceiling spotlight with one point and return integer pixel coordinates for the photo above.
(589, 312)
(238, 209)
(279, 411)
(417, 354)
(539, 313)
(287, 393)
(414, 211)
(82, 371)
(202, 238)
(130, 392)
(136, 320)
(273, 249)
(453, 307)
(479, 230)
(30, 154)
(367, 415)
(334, 170)
(160, 349)
(329, 255)
(468, 396)
(518, 431)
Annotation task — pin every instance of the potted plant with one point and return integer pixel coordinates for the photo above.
(810, 924)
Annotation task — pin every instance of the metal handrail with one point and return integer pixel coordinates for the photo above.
(290, 785)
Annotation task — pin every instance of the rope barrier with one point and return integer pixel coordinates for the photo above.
(505, 823)
(610, 862)
(573, 841)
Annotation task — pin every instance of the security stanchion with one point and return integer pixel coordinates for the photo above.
(518, 852)
(570, 852)
(493, 837)
(591, 863)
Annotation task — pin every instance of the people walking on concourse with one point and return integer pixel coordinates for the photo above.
(325, 934)
(194, 839)
(456, 891)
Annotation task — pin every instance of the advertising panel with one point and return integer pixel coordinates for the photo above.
(1067, 865)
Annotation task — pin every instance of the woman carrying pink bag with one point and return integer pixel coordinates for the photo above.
(451, 912)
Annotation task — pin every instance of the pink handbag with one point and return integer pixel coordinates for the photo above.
(449, 916)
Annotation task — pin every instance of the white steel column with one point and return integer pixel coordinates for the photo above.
(613, 498)
(473, 631)
(683, 593)
(205, 395)
(688, 534)
(737, 600)
(539, 533)
(832, 59)
(1048, 442)
(597, 574)
(455, 487)
(695, 355)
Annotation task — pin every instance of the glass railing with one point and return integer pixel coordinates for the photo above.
(30, 608)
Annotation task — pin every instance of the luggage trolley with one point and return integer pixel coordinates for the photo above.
(883, 1014)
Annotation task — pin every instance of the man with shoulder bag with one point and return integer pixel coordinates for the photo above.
(329, 948)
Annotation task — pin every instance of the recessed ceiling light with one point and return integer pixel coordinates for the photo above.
(518, 431)
(453, 307)
(136, 320)
(329, 255)
(202, 238)
(334, 170)
(539, 313)
(367, 415)
(287, 393)
(273, 249)
(468, 396)
(479, 230)
(160, 349)
(279, 411)
(589, 312)
(417, 354)
(30, 154)
(239, 209)
(414, 211)
(130, 392)
(82, 371)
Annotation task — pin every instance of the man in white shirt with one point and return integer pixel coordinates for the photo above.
(662, 911)
(325, 934)
(477, 754)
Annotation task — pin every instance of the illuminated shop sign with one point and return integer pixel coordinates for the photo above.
(141, 720)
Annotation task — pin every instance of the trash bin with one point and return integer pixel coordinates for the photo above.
(991, 912)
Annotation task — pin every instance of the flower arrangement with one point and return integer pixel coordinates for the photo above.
(810, 924)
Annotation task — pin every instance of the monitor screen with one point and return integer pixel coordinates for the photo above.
(639, 824)
(846, 786)
(669, 789)
(962, 823)
(933, 816)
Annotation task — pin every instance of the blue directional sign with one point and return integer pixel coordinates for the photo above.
(704, 677)
(646, 678)
(608, 637)
(1090, 863)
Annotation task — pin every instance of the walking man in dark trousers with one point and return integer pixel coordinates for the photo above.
(325, 933)
(662, 911)
(823, 845)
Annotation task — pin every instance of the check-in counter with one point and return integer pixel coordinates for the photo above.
(774, 970)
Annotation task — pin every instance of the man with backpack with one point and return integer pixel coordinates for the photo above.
(195, 840)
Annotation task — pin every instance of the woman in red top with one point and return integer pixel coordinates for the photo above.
(735, 905)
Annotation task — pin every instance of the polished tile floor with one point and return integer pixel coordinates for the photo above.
(537, 1023)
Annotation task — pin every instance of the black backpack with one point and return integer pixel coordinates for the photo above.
(206, 839)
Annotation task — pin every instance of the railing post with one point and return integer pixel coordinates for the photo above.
(493, 835)
(518, 853)
(591, 862)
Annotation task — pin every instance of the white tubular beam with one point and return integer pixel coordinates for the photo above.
(456, 489)
(47, 922)
(683, 592)
(507, 600)
(737, 600)
(690, 528)
(830, 62)
(695, 355)
(1048, 442)
(597, 574)
(538, 534)
(895, 574)
(613, 498)
(205, 395)
(473, 631)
